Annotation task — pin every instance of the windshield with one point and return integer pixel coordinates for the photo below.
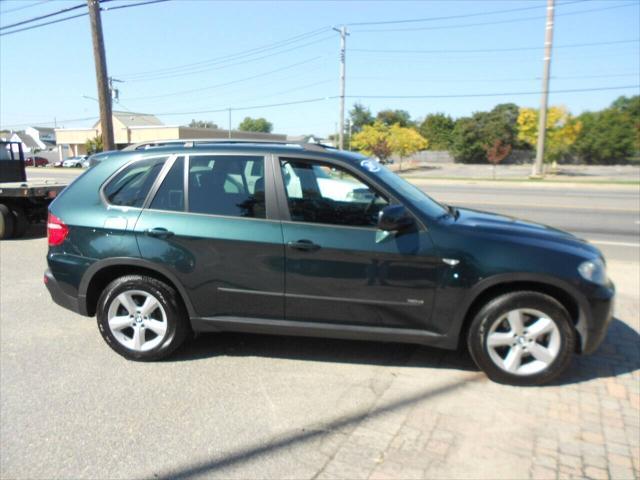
(412, 193)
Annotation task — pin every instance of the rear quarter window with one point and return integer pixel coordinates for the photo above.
(130, 186)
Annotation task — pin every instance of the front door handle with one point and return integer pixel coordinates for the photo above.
(158, 232)
(304, 245)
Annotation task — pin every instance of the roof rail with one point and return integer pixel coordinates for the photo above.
(193, 142)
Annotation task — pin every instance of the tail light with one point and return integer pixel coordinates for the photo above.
(57, 231)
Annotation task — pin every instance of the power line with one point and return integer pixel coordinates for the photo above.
(227, 65)
(79, 15)
(232, 82)
(23, 7)
(501, 94)
(497, 22)
(320, 99)
(234, 56)
(488, 50)
(492, 80)
(44, 24)
(450, 17)
(253, 107)
(41, 17)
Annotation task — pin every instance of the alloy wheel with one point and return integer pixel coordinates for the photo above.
(137, 320)
(523, 341)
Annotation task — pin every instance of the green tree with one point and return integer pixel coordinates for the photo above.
(611, 135)
(391, 117)
(473, 136)
(437, 129)
(255, 125)
(360, 116)
(202, 124)
(373, 140)
(562, 131)
(94, 145)
(405, 141)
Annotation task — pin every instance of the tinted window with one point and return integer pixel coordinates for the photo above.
(170, 195)
(131, 186)
(322, 193)
(227, 185)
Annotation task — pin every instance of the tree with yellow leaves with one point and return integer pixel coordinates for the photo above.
(562, 130)
(405, 141)
(373, 140)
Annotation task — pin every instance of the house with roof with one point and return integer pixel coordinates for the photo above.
(29, 144)
(44, 136)
(132, 127)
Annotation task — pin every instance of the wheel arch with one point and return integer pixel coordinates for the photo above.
(101, 273)
(493, 287)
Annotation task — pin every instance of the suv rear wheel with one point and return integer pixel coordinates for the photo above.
(141, 318)
(522, 338)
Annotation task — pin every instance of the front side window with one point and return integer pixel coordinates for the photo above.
(230, 185)
(130, 186)
(322, 193)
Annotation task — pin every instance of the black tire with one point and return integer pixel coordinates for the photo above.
(7, 223)
(177, 327)
(21, 222)
(490, 314)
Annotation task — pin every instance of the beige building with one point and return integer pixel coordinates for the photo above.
(129, 127)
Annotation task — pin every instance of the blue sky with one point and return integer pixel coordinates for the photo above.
(187, 56)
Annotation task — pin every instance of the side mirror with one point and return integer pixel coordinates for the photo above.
(394, 218)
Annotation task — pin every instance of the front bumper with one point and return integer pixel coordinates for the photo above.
(600, 305)
(58, 295)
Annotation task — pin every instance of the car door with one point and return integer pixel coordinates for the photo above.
(339, 267)
(210, 225)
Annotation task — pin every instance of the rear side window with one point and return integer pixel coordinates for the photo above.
(131, 185)
(170, 195)
(231, 185)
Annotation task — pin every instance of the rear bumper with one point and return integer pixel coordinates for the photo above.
(58, 295)
(601, 303)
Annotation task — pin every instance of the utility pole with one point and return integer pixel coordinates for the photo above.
(229, 122)
(542, 125)
(343, 46)
(104, 97)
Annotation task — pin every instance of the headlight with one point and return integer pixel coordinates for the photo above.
(594, 271)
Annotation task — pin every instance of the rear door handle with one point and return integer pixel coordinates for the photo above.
(158, 232)
(305, 245)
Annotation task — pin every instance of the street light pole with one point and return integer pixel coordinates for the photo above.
(542, 125)
(104, 97)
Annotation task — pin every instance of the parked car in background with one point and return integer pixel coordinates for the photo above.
(259, 237)
(58, 163)
(74, 162)
(36, 162)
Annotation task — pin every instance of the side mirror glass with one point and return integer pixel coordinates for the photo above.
(394, 218)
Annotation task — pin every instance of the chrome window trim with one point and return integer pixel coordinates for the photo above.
(103, 197)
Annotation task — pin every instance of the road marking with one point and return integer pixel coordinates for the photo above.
(539, 206)
(617, 244)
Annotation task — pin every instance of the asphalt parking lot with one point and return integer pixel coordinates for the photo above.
(248, 406)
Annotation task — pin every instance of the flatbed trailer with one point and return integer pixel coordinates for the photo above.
(22, 201)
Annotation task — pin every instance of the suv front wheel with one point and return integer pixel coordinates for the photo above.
(522, 338)
(141, 318)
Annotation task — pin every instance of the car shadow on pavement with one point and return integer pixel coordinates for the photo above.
(321, 350)
(618, 354)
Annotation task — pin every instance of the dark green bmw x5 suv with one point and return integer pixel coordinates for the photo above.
(307, 240)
